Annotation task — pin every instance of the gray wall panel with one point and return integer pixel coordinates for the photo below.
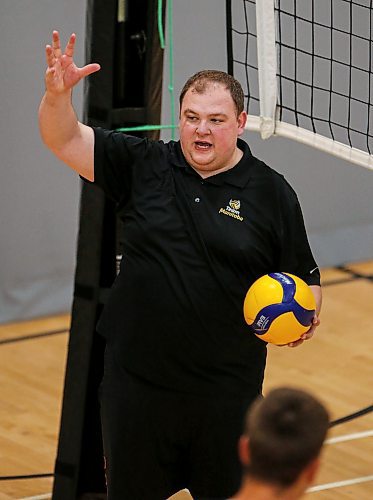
(39, 196)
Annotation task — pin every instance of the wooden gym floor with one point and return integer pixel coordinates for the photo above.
(337, 366)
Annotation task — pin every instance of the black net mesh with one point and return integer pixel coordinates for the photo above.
(324, 63)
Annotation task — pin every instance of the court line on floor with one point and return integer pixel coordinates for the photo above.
(339, 484)
(349, 437)
(356, 274)
(38, 497)
(338, 281)
(351, 416)
(33, 336)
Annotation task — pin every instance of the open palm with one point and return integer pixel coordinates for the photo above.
(62, 73)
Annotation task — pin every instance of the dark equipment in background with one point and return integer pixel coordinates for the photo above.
(121, 35)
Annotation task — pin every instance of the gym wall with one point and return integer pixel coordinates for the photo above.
(39, 196)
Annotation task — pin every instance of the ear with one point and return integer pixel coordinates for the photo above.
(241, 121)
(243, 450)
(311, 470)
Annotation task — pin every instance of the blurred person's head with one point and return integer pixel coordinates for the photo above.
(282, 440)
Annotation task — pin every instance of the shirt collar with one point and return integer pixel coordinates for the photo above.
(238, 175)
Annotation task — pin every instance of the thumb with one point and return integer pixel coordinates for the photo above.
(89, 69)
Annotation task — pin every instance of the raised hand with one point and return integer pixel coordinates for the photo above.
(62, 73)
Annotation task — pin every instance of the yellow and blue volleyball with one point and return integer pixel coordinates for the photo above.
(279, 308)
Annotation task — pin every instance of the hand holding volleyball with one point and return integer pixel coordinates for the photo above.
(279, 307)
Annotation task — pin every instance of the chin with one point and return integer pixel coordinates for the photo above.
(202, 159)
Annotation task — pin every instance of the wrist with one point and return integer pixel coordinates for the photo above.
(55, 99)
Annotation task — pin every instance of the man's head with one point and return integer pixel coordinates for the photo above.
(211, 119)
(201, 80)
(283, 437)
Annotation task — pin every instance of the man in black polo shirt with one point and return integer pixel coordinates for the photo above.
(202, 219)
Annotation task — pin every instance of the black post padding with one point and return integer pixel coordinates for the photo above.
(100, 37)
(85, 311)
(79, 468)
(229, 36)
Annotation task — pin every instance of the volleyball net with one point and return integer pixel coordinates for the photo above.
(306, 68)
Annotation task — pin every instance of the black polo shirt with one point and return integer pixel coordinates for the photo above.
(191, 249)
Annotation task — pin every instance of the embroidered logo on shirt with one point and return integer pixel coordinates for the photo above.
(235, 204)
(232, 210)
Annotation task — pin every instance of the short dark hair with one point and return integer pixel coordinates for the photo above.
(200, 81)
(286, 431)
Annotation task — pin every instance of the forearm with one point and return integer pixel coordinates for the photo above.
(58, 122)
(71, 141)
(317, 293)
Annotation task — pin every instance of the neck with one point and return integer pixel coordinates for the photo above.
(238, 154)
(256, 490)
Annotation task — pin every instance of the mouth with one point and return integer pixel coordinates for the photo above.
(202, 145)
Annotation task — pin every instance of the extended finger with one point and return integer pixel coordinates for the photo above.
(49, 55)
(69, 50)
(56, 45)
(89, 69)
(316, 321)
(296, 343)
(308, 335)
(49, 75)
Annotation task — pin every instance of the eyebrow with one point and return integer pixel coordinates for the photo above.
(211, 114)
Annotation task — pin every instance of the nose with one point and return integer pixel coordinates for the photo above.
(203, 128)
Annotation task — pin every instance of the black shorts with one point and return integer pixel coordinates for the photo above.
(158, 441)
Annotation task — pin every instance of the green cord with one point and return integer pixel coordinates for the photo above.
(171, 68)
(144, 128)
(160, 24)
(173, 126)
